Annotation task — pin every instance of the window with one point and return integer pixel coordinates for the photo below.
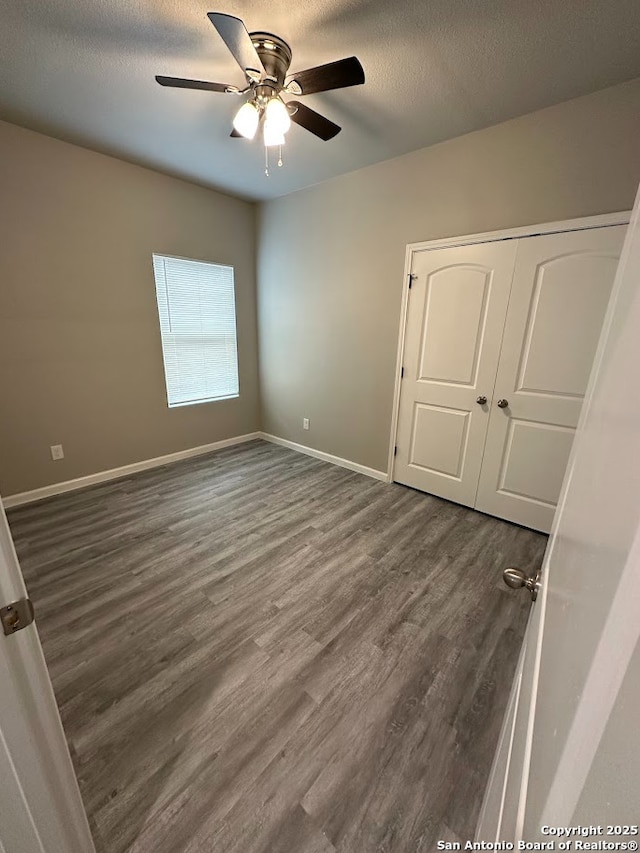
(196, 305)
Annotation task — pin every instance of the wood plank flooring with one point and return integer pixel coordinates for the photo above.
(259, 652)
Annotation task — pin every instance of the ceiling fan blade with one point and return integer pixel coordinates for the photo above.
(334, 75)
(313, 121)
(234, 34)
(180, 83)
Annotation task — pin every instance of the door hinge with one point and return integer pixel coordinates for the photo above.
(395, 450)
(16, 615)
(412, 278)
(402, 373)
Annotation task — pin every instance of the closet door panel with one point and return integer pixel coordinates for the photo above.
(559, 296)
(455, 318)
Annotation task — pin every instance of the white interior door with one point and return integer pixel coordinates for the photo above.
(40, 806)
(569, 752)
(455, 318)
(561, 288)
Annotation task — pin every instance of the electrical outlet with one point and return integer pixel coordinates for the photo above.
(305, 423)
(57, 452)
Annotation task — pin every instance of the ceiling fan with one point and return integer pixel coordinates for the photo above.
(265, 60)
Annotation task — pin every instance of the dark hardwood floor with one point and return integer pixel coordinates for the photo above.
(258, 652)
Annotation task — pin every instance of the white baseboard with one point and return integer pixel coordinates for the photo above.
(123, 471)
(327, 457)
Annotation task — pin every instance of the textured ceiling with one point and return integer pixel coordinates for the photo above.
(83, 70)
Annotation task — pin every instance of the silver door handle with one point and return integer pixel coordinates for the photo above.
(481, 400)
(516, 579)
(502, 404)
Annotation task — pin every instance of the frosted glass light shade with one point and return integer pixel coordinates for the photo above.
(276, 114)
(272, 134)
(246, 120)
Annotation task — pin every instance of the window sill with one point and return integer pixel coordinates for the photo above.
(207, 400)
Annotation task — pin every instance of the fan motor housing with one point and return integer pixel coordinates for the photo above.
(274, 53)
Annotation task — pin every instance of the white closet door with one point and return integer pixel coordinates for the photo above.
(455, 318)
(560, 292)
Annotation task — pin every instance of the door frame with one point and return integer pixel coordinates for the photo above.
(585, 223)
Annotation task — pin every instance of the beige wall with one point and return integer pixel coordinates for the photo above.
(331, 258)
(80, 355)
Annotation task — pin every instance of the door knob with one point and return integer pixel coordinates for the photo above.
(502, 404)
(516, 579)
(481, 400)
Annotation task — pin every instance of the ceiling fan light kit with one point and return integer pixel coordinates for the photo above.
(272, 135)
(277, 116)
(265, 59)
(247, 119)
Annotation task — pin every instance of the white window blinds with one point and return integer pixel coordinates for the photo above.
(196, 305)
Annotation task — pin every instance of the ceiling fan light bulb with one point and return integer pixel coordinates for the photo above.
(277, 114)
(272, 134)
(246, 120)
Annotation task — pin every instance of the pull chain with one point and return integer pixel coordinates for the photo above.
(280, 155)
(266, 161)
